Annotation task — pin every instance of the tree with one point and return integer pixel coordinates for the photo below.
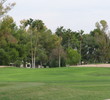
(13, 55)
(96, 45)
(35, 28)
(5, 8)
(42, 57)
(101, 36)
(4, 58)
(7, 26)
(69, 38)
(59, 50)
(80, 37)
(58, 57)
(89, 49)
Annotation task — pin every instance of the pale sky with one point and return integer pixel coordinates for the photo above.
(73, 14)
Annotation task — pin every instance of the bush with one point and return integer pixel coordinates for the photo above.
(73, 57)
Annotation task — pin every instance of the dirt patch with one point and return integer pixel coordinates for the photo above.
(88, 65)
(5, 66)
(95, 65)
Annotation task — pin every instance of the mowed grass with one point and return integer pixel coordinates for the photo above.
(55, 84)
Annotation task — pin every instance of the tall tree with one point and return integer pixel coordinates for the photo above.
(101, 35)
(89, 49)
(7, 26)
(69, 38)
(80, 38)
(34, 28)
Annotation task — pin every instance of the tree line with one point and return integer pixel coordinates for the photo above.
(32, 42)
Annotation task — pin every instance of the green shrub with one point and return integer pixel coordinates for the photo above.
(73, 57)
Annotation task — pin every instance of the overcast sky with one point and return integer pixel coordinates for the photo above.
(73, 14)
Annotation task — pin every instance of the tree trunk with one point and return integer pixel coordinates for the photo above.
(80, 52)
(59, 60)
(34, 60)
(59, 57)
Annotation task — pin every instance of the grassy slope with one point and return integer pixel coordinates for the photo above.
(55, 84)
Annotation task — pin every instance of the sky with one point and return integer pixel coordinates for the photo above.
(73, 14)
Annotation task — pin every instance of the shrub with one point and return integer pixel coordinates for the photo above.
(73, 57)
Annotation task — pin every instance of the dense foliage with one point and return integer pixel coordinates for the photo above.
(32, 42)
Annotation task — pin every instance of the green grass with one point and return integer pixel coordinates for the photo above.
(55, 84)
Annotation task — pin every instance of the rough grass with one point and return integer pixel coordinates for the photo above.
(55, 84)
